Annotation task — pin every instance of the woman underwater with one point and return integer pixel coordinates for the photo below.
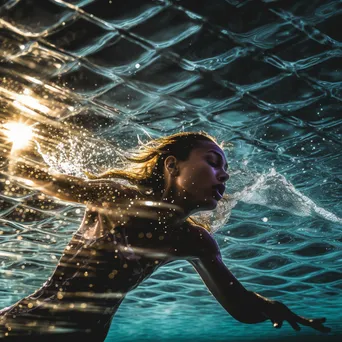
(127, 233)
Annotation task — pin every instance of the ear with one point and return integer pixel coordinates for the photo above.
(171, 165)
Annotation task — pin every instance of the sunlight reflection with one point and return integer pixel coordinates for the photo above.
(18, 133)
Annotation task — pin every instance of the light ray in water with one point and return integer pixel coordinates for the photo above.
(23, 101)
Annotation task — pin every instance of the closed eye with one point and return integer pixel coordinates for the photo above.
(213, 164)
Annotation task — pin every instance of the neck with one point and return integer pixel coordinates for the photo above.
(175, 198)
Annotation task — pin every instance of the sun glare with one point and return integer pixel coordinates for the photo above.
(18, 133)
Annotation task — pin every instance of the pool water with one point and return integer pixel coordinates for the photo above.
(265, 76)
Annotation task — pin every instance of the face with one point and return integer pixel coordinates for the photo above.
(201, 178)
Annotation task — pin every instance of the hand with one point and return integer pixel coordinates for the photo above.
(278, 312)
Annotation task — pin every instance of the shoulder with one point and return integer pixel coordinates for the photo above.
(196, 242)
(110, 191)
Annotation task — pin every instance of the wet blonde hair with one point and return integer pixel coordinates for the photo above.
(145, 167)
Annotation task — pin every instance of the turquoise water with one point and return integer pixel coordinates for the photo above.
(263, 75)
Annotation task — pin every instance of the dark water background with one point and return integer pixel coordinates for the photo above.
(264, 75)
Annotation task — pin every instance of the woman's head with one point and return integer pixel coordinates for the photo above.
(197, 182)
(187, 166)
(154, 154)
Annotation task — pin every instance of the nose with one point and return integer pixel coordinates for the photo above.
(223, 177)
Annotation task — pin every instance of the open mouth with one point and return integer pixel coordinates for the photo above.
(216, 194)
(218, 191)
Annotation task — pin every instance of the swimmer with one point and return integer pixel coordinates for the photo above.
(127, 233)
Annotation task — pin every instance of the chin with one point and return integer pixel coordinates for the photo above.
(211, 204)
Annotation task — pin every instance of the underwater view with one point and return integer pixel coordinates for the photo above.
(85, 82)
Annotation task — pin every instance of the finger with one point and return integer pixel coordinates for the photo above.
(320, 327)
(305, 321)
(324, 329)
(317, 320)
(294, 325)
(321, 320)
(315, 323)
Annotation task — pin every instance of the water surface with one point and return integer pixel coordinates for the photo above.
(99, 76)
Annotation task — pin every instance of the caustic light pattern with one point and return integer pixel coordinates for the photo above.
(90, 78)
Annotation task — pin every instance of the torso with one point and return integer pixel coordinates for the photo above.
(105, 259)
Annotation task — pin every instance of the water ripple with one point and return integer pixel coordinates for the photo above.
(98, 76)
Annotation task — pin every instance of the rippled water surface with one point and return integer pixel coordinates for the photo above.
(99, 76)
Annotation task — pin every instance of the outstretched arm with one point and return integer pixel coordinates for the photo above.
(228, 291)
(65, 187)
(245, 306)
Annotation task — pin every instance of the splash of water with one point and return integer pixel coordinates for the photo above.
(273, 191)
(75, 156)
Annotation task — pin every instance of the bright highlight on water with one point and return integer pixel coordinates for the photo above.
(18, 134)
